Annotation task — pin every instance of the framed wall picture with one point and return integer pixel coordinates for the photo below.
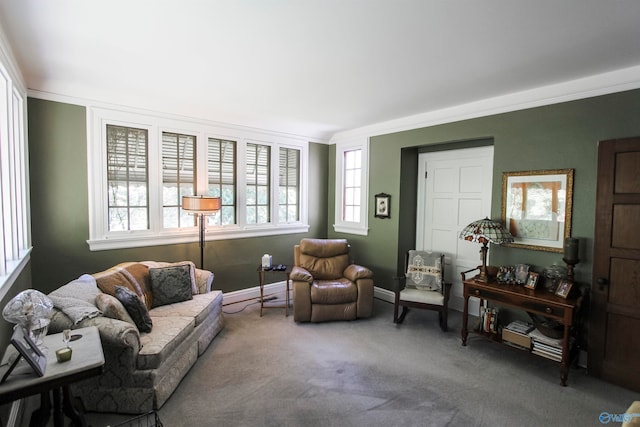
(532, 280)
(536, 208)
(383, 205)
(564, 288)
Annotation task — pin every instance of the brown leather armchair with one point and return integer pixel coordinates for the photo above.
(326, 285)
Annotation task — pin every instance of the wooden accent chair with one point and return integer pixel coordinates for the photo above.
(422, 286)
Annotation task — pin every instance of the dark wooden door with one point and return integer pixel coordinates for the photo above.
(614, 320)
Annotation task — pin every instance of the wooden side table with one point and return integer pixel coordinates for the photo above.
(261, 277)
(519, 297)
(87, 360)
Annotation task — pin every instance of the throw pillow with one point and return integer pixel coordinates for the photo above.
(112, 308)
(424, 270)
(135, 307)
(170, 284)
(131, 275)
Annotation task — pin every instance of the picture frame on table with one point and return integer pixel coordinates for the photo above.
(27, 349)
(521, 273)
(564, 288)
(532, 280)
(383, 205)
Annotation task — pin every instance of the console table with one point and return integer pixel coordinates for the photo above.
(539, 302)
(86, 361)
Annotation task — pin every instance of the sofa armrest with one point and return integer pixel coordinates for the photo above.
(354, 272)
(114, 332)
(204, 279)
(299, 274)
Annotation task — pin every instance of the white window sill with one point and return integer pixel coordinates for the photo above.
(14, 268)
(349, 229)
(133, 240)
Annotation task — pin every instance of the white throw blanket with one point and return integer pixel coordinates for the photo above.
(76, 299)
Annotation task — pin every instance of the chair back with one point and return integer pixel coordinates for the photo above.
(325, 259)
(425, 270)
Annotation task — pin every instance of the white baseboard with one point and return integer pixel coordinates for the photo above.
(254, 293)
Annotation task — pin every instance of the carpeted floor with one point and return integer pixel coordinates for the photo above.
(271, 371)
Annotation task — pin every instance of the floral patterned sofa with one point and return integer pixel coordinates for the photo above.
(142, 369)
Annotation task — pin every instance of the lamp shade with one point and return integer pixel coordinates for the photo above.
(201, 204)
(486, 231)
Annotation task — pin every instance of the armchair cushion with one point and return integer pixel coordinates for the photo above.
(324, 259)
(425, 297)
(333, 291)
(424, 271)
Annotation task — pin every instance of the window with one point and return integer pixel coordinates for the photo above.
(221, 169)
(258, 189)
(127, 178)
(288, 189)
(351, 186)
(14, 192)
(141, 165)
(178, 178)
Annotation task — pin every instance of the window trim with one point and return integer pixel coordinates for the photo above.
(99, 236)
(360, 227)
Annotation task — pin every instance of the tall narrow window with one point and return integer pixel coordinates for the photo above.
(178, 178)
(127, 178)
(289, 186)
(258, 185)
(352, 185)
(221, 171)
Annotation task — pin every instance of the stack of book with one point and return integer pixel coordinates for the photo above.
(516, 334)
(542, 345)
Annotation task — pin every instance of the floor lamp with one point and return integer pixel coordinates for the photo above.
(201, 206)
(485, 231)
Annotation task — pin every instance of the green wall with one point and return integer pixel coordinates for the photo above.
(558, 136)
(60, 215)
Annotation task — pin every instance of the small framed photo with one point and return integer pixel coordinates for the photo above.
(564, 288)
(383, 205)
(29, 350)
(532, 281)
(521, 274)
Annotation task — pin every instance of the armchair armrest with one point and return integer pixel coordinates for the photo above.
(354, 272)
(299, 274)
(114, 332)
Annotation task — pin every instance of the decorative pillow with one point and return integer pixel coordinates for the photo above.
(424, 271)
(111, 307)
(170, 284)
(132, 275)
(193, 271)
(135, 307)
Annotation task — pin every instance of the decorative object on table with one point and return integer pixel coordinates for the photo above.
(536, 208)
(485, 231)
(506, 274)
(564, 288)
(266, 261)
(521, 274)
(31, 310)
(64, 354)
(383, 205)
(201, 206)
(28, 350)
(553, 275)
(532, 281)
(571, 255)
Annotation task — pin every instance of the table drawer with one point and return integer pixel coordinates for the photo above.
(538, 307)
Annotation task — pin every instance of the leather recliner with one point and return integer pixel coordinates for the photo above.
(327, 285)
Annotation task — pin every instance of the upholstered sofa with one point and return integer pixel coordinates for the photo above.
(142, 369)
(327, 285)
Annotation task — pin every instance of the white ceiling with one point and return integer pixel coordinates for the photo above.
(313, 67)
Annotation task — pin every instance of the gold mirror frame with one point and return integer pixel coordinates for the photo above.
(537, 208)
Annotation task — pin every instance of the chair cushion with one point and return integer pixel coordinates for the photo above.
(333, 291)
(422, 296)
(424, 271)
(325, 259)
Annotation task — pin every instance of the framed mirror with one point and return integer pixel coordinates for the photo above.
(536, 208)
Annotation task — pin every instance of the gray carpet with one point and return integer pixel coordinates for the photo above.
(271, 371)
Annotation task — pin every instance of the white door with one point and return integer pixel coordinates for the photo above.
(454, 189)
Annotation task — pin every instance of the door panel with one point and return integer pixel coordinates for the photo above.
(614, 320)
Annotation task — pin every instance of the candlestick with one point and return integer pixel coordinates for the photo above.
(571, 250)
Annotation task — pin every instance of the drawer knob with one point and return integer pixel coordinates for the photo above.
(548, 310)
